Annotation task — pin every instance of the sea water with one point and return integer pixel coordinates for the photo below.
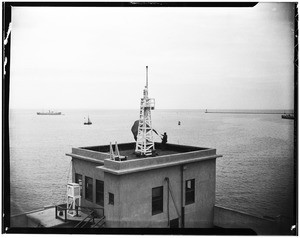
(255, 174)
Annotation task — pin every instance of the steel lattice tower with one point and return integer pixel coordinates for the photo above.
(145, 142)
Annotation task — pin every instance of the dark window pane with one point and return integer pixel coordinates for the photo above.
(89, 189)
(157, 192)
(174, 223)
(189, 197)
(189, 191)
(111, 198)
(157, 200)
(100, 192)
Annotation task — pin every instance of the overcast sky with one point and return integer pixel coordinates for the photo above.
(198, 58)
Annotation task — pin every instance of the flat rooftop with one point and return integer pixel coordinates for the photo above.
(159, 152)
(171, 155)
(128, 149)
(45, 217)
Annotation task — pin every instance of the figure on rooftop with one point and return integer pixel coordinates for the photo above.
(164, 140)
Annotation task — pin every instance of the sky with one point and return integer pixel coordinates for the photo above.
(198, 58)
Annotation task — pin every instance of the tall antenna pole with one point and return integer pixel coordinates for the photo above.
(146, 76)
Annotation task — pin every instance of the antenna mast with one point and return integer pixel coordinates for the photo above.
(146, 76)
(145, 142)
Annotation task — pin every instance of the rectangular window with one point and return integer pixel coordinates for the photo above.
(111, 198)
(88, 188)
(78, 179)
(174, 223)
(189, 191)
(157, 200)
(100, 192)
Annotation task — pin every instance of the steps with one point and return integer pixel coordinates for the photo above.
(91, 221)
(99, 222)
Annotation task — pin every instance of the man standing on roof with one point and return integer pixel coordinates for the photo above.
(164, 141)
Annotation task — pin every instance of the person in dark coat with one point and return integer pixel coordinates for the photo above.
(164, 141)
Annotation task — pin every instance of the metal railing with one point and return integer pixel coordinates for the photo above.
(86, 220)
(99, 224)
(64, 210)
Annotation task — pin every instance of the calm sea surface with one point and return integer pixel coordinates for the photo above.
(255, 174)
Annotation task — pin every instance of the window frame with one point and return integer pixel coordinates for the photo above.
(88, 192)
(100, 192)
(189, 192)
(158, 201)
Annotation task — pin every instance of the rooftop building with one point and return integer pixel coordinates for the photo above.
(174, 188)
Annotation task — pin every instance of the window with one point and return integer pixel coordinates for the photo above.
(111, 198)
(78, 179)
(89, 189)
(100, 192)
(157, 200)
(189, 191)
(174, 223)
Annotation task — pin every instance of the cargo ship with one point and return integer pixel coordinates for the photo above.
(288, 116)
(48, 113)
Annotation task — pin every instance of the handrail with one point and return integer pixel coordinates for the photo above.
(92, 218)
(63, 208)
(85, 219)
(79, 208)
(101, 219)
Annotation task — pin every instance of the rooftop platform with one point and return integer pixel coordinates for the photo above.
(47, 218)
(54, 216)
(171, 155)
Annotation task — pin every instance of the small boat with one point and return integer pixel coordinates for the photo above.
(179, 123)
(288, 116)
(88, 122)
(48, 113)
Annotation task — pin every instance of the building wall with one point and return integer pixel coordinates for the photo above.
(200, 214)
(135, 209)
(112, 212)
(86, 168)
(133, 196)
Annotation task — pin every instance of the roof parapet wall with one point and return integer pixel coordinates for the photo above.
(148, 163)
(90, 154)
(172, 155)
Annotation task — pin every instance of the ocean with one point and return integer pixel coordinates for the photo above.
(255, 174)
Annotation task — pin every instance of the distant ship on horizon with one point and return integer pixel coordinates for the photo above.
(48, 113)
(88, 122)
(288, 116)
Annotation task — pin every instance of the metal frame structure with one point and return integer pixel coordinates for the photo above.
(73, 199)
(145, 142)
